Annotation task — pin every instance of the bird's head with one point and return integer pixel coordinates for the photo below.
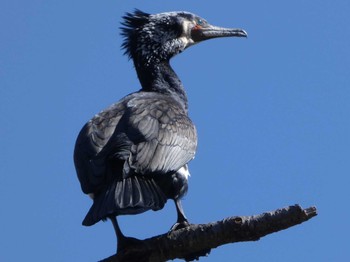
(150, 39)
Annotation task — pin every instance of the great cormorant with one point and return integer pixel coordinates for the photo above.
(133, 156)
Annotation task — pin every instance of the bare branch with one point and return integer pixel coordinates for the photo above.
(198, 239)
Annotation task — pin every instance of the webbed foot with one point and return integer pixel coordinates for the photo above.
(180, 224)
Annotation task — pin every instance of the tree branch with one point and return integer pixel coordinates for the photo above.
(198, 239)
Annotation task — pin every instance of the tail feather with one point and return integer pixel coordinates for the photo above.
(132, 195)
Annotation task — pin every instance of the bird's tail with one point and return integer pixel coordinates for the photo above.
(132, 195)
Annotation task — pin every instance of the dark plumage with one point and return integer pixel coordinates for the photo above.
(133, 156)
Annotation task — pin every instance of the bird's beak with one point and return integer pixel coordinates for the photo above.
(206, 32)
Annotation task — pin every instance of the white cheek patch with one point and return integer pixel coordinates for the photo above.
(185, 38)
(186, 41)
(185, 26)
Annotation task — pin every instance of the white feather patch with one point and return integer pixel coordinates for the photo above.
(183, 171)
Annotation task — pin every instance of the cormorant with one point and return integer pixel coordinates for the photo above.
(133, 156)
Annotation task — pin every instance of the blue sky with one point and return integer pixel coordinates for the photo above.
(272, 113)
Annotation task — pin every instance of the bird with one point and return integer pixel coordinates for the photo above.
(133, 156)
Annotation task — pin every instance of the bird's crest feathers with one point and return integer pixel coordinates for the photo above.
(132, 22)
(149, 39)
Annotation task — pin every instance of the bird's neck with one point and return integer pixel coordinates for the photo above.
(161, 78)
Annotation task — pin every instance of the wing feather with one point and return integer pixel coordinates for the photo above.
(166, 136)
(150, 132)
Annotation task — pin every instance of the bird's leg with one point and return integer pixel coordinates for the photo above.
(120, 236)
(181, 218)
(182, 221)
(117, 230)
(122, 241)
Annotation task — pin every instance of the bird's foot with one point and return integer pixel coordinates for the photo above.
(179, 225)
(195, 255)
(126, 242)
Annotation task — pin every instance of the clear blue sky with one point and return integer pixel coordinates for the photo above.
(272, 113)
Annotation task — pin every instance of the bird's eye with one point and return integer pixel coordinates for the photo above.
(200, 21)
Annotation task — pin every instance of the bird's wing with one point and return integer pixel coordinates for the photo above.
(151, 133)
(92, 139)
(164, 138)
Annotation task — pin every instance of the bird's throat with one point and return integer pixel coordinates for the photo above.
(160, 77)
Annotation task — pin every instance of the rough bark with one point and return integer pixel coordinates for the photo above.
(198, 239)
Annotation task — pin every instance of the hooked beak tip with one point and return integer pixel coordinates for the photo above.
(244, 33)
